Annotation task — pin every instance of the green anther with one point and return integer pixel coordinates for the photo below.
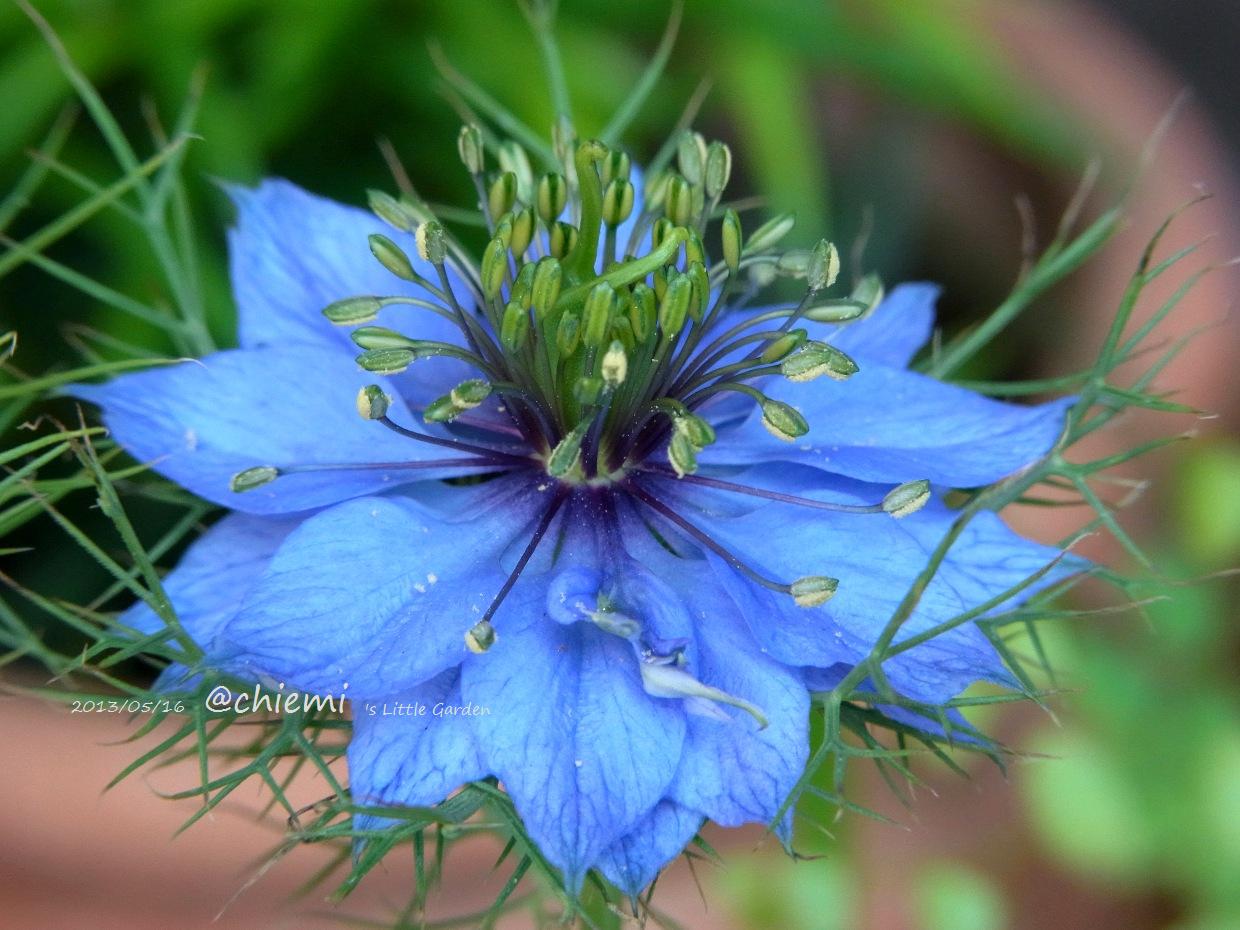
(551, 197)
(380, 337)
(548, 276)
(695, 429)
(513, 159)
(718, 169)
(596, 316)
(523, 225)
(816, 359)
(834, 311)
(568, 334)
(563, 240)
(503, 193)
(678, 202)
(700, 298)
(387, 361)
(372, 402)
(567, 451)
(441, 410)
(660, 281)
(615, 364)
(694, 250)
(733, 243)
(616, 166)
(643, 312)
(794, 263)
(682, 454)
(470, 393)
(769, 234)
(353, 310)
(469, 145)
(656, 191)
(392, 257)
(587, 390)
(480, 637)
(617, 202)
(869, 292)
(782, 420)
(659, 232)
(523, 287)
(514, 327)
(503, 230)
(494, 268)
(675, 306)
(814, 590)
(622, 329)
(390, 210)
(432, 242)
(253, 478)
(907, 498)
(824, 266)
(780, 348)
(691, 157)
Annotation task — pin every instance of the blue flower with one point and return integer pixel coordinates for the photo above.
(620, 615)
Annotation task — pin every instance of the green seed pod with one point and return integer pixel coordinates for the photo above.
(718, 169)
(675, 306)
(432, 242)
(372, 402)
(387, 361)
(494, 268)
(596, 316)
(253, 478)
(783, 421)
(469, 146)
(503, 194)
(814, 590)
(392, 257)
(780, 348)
(617, 202)
(523, 225)
(514, 327)
(770, 233)
(643, 312)
(563, 239)
(568, 334)
(390, 210)
(616, 166)
(824, 266)
(353, 310)
(678, 201)
(907, 498)
(551, 197)
(733, 243)
(548, 277)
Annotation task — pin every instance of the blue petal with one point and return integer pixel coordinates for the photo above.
(632, 862)
(893, 333)
(378, 593)
(888, 425)
(201, 422)
(582, 750)
(208, 584)
(412, 749)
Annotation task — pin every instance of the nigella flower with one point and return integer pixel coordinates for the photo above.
(619, 516)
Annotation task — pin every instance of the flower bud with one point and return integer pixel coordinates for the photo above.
(816, 359)
(907, 498)
(770, 233)
(391, 257)
(678, 201)
(824, 266)
(514, 327)
(563, 239)
(353, 310)
(372, 402)
(691, 156)
(682, 455)
(253, 478)
(814, 590)
(390, 210)
(780, 348)
(548, 276)
(432, 242)
(617, 202)
(480, 637)
(783, 421)
(503, 194)
(615, 365)
(551, 197)
(730, 232)
(469, 145)
(675, 306)
(718, 169)
(494, 268)
(616, 166)
(596, 315)
(387, 361)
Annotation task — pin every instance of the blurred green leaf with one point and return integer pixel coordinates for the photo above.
(952, 897)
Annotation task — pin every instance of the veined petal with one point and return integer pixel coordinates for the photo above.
(412, 749)
(378, 593)
(632, 861)
(888, 425)
(582, 749)
(202, 422)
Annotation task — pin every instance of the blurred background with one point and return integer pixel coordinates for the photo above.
(920, 120)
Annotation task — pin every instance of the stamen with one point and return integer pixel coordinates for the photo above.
(539, 532)
(456, 444)
(722, 485)
(259, 475)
